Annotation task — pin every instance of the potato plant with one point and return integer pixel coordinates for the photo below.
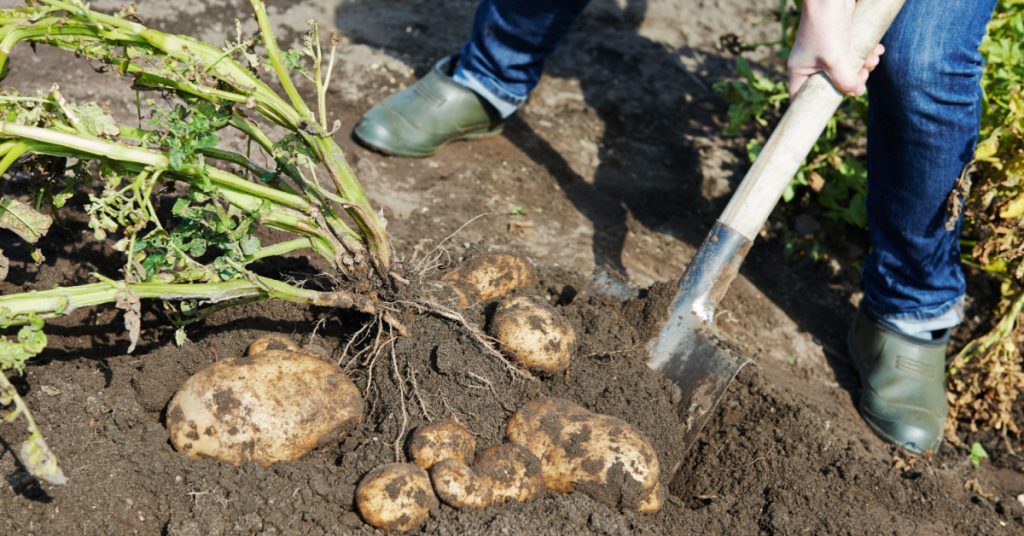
(190, 94)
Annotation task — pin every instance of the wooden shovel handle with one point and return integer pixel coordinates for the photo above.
(800, 127)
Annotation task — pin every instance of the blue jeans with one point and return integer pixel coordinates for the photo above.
(925, 104)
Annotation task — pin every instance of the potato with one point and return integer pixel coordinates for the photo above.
(602, 456)
(273, 405)
(488, 277)
(396, 496)
(458, 486)
(511, 472)
(534, 334)
(442, 440)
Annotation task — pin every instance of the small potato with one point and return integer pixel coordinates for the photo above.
(458, 486)
(511, 472)
(534, 334)
(602, 456)
(396, 496)
(488, 277)
(270, 406)
(442, 440)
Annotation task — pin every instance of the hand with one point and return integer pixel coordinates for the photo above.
(823, 44)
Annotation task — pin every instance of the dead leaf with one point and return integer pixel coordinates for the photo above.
(521, 228)
(23, 220)
(129, 302)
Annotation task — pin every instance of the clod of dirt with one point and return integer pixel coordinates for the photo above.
(511, 471)
(439, 441)
(488, 277)
(602, 456)
(534, 334)
(459, 487)
(396, 496)
(271, 406)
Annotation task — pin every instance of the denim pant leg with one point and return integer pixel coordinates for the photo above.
(504, 57)
(925, 106)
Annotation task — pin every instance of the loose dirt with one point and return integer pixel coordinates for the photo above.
(616, 160)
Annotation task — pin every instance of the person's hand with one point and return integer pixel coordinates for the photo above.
(823, 44)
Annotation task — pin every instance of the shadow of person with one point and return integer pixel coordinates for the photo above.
(648, 107)
(642, 96)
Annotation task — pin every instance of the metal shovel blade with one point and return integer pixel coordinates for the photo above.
(688, 349)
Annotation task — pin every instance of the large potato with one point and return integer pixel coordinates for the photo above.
(511, 472)
(442, 440)
(458, 486)
(602, 456)
(396, 496)
(488, 277)
(270, 406)
(534, 334)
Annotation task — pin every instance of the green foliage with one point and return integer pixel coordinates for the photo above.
(750, 97)
(978, 453)
(33, 453)
(187, 129)
(29, 341)
(833, 175)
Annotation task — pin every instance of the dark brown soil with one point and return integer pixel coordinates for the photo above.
(616, 160)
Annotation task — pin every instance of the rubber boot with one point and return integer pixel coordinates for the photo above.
(903, 396)
(427, 115)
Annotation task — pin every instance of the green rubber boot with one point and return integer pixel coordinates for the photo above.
(903, 396)
(427, 115)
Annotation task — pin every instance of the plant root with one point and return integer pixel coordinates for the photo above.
(486, 342)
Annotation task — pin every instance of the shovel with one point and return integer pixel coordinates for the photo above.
(688, 349)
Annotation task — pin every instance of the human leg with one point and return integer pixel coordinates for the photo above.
(511, 39)
(497, 68)
(925, 105)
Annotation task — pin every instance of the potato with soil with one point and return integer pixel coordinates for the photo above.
(270, 406)
(439, 441)
(458, 486)
(534, 334)
(396, 496)
(511, 472)
(602, 456)
(488, 277)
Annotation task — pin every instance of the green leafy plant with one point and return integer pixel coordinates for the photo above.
(978, 453)
(200, 257)
(834, 173)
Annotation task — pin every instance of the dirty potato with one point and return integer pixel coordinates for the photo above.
(602, 456)
(511, 472)
(458, 486)
(270, 406)
(534, 334)
(442, 440)
(488, 277)
(396, 496)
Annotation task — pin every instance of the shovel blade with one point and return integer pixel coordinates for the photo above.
(703, 376)
(687, 349)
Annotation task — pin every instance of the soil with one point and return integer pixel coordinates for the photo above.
(617, 160)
